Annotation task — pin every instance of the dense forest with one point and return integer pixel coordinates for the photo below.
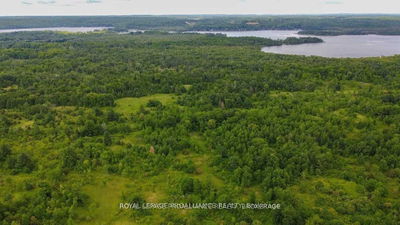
(315, 25)
(89, 121)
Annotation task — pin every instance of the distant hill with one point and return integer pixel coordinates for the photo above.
(317, 25)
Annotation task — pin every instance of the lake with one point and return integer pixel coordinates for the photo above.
(352, 46)
(272, 34)
(65, 29)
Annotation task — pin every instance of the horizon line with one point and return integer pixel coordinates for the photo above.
(212, 14)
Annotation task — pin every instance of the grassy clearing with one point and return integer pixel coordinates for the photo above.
(202, 161)
(128, 106)
(10, 88)
(309, 191)
(281, 93)
(198, 140)
(24, 124)
(204, 172)
(187, 86)
(133, 139)
(105, 193)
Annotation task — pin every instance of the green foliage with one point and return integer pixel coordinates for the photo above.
(154, 103)
(5, 152)
(107, 139)
(158, 117)
(316, 25)
(303, 40)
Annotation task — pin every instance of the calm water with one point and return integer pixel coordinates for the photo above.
(353, 46)
(67, 29)
(272, 34)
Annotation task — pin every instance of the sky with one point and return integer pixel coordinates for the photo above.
(163, 7)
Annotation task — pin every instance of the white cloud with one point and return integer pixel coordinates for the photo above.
(128, 7)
